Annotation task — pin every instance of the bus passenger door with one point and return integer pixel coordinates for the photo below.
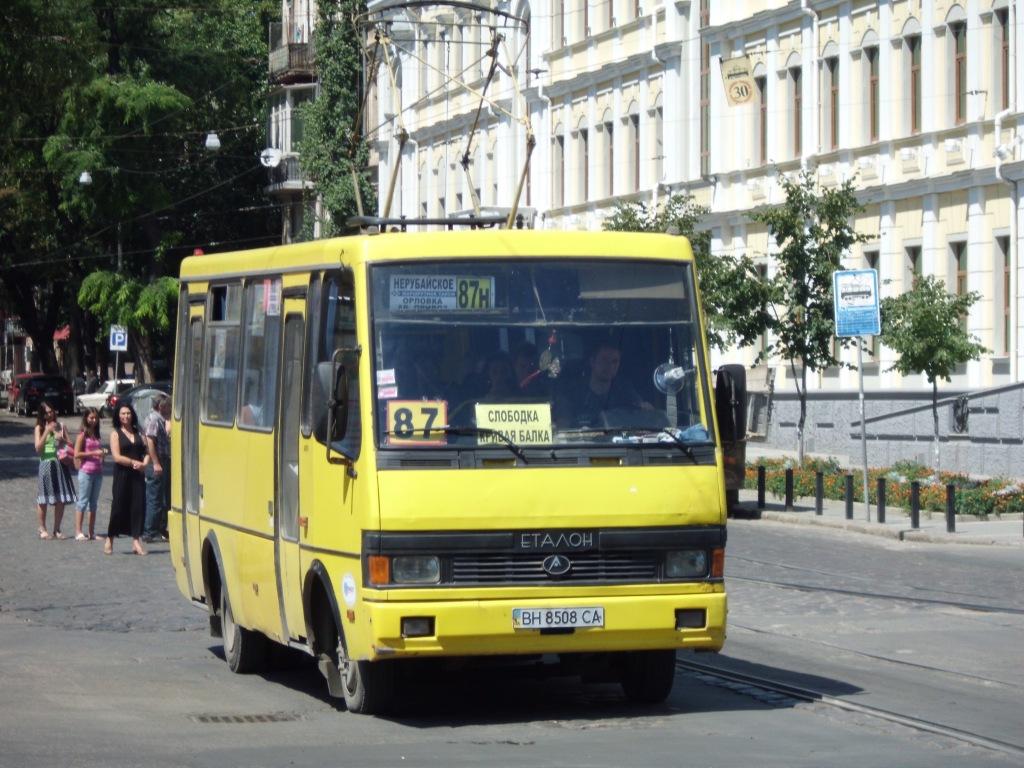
(289, 574)
(190, 456)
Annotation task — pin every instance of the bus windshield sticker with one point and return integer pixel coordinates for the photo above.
(417, 422)
(385, 377)
(522, 423)
(272, 297)
(387, 393)
(431, 293)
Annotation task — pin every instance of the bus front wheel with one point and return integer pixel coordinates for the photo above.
(647, 676)
(244, 650)
(368, 686)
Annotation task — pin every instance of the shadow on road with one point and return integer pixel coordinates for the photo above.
(826, 685)
(454, 693)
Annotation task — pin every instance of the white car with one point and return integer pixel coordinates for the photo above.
(98, 399)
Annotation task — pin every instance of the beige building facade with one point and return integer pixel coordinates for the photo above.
(919, 102)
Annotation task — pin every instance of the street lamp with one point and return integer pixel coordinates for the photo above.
(212, 141)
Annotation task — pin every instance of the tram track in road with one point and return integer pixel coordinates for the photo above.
(801, 693)
(929, 601)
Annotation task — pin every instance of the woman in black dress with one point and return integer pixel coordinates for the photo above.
(128, 507)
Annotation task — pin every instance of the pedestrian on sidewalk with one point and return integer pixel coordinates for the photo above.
(56, 487)
(128, 505)
(158, 473)
(89, 453)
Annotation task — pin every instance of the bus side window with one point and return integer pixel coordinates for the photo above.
(262, 333)
(223, 336)
(335, 324)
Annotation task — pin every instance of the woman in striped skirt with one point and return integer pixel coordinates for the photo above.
(55, 485)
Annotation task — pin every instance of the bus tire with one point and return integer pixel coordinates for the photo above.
(368, 685)
(244, 650)
(647, 676)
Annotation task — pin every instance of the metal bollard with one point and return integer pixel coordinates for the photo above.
(789, 489)
(819, 492)
(951, 508)
(849, 497)
(881, 499)
(760, 487)
(915, 505)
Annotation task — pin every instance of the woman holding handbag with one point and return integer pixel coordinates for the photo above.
(55, 485)
(89, 453)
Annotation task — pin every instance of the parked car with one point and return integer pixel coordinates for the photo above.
(114, 400)
(141, 397)
(34, 388)
(98, 399)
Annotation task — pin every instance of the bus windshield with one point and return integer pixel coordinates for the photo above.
(549, 352)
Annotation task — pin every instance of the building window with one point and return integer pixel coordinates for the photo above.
(633, 140)
(424, 70)
(705, 109)
(762, 119)
(558, 169)
(558, 24)
(832, 68)
(609, 137)
(1003, 247)
(583, 156)
(913, 271)
(610, 6)
(871, 55)
(959, 253)
(871, 262)
(959, 33)
(914, 49)
(659, 143)
(794, 75)
(1003, 65)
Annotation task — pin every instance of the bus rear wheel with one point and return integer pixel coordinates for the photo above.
(647, 676)
(244, 650)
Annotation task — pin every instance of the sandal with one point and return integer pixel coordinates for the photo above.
(43, 534)
(81, 537)
(59, 535)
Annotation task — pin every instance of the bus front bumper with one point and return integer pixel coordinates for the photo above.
(485, 627)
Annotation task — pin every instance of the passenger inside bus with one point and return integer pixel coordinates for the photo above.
(587, 400)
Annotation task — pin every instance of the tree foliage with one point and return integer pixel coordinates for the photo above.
(734, 297)
(925, 327)
(333, 150)
(813, 229)
(128, 93)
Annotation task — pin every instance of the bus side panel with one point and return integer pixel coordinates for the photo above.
(256, 487)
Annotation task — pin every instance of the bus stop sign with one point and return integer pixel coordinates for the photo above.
(855, 294)
(118, 338)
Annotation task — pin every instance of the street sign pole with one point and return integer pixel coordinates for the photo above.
(855, 297)
(863, 428)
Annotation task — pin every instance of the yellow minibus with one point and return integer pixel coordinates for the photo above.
(451, 444)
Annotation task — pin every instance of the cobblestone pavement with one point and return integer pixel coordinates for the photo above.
(71, 584)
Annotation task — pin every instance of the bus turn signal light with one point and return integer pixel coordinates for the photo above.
(718, 563)
(380, 570)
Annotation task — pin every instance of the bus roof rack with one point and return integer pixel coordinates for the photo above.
(400, 224)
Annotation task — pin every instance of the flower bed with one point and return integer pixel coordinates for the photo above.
(996, 496)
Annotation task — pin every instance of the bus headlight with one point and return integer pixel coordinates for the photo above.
(416, 569)
(686, 564)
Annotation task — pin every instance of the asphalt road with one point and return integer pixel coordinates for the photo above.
(102, 662)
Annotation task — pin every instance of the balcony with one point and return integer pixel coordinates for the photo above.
(292, 53)
(288, 177)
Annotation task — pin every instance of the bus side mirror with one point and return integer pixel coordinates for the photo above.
(338, 404)
(731, 402)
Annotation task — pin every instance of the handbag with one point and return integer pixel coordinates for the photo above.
(66, 456)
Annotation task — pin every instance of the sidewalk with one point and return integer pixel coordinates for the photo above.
(1006, 531)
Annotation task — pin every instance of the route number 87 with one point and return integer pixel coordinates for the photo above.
(415, 422)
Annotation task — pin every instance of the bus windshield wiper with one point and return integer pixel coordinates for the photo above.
(680, 443)
(486, 432)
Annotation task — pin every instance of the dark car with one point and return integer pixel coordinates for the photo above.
(139, 397)
(34, 388)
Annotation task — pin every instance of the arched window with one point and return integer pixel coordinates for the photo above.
(607, 128)
(911, 77)
(956, 51)
(582, 137)
(558, 166)
(631, 146)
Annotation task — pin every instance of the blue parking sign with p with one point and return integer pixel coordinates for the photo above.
(118, 338)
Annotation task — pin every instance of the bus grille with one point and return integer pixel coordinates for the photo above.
(600, 567)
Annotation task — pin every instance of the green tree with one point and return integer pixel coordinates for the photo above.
(127, 93)
(734, 297)
(813, 229)
(146, 310)
(926, 328)
(333, 150)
